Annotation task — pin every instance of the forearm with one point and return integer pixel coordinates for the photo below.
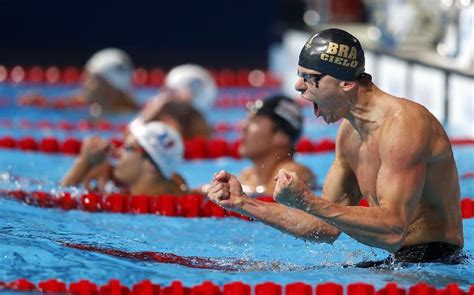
(76, 173)
(292, 221)
(373, 226)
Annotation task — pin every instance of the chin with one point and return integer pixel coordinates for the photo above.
(331, 119)
(117, 175)
(242, 152)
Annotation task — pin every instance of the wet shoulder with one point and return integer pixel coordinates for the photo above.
(411, 124)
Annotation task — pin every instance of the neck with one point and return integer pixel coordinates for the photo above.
(364, 113)
(265, 166)
(119, 101)
(153, 186)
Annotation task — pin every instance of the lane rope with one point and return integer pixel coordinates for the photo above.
(147, 287)
(197, 148)
(192, 205)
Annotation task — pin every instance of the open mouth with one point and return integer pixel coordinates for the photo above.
(316, 109)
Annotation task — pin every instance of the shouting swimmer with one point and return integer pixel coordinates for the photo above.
(390, 151)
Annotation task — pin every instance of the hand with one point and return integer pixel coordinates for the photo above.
(94, 150)
(226, 191)
(100, 174)
(290, 190)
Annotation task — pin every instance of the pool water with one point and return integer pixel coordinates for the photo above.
(32, 243)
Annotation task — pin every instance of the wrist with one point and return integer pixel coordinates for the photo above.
(241, 204)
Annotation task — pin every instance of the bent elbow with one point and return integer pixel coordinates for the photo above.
(395, 240)
(318, 237)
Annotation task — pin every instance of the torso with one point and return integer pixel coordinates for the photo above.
(437, 215)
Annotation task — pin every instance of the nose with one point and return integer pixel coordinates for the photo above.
(300, 85)
(117, 152)
(245, 126)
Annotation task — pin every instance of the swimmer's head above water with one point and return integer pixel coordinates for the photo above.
(283, 111)
(192, 83)
(330, 68)
(161, 143)
(108, 81)
(334, 52)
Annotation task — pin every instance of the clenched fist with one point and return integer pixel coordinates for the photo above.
(226, 191)
(290, 190)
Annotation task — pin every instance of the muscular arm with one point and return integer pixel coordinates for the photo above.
(298, 222)
(340, 188)
(399, 184)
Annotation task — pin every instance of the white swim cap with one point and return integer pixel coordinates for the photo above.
(162, 143)
(114, 65)
(198, 80)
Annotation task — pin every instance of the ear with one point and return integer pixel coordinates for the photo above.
(149, 167)
(280, 138)
(348, 85)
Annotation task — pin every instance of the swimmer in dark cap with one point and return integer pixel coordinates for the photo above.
(269, 136)
(390, 151)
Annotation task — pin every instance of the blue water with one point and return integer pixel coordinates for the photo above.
(31, 238)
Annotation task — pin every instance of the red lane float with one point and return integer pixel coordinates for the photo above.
(192, 205)
(167, 205)
(197, 148)
(141, 77)
(99, 125)
(147, 287)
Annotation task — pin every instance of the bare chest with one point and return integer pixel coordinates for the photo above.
(364, 160)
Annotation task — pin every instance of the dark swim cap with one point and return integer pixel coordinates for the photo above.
(283, 111)
(334, 52)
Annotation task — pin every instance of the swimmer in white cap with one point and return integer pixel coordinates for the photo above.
(187, 95)
(146, 165)
(194, 84)
(106, 87)
(108, 82)
(390, 151)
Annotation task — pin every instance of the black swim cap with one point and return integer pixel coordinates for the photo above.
(334, 52)
(284, 112)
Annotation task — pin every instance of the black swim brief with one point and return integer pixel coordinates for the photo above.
(434, 252)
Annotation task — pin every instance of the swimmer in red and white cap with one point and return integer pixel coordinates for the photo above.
(390, 151)
(147, 162)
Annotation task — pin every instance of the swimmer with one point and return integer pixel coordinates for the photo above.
(193, 84)
(106, 87)
(390, 151)
(146, 165)
(269, 136)
(108, 82)
(188, 93)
